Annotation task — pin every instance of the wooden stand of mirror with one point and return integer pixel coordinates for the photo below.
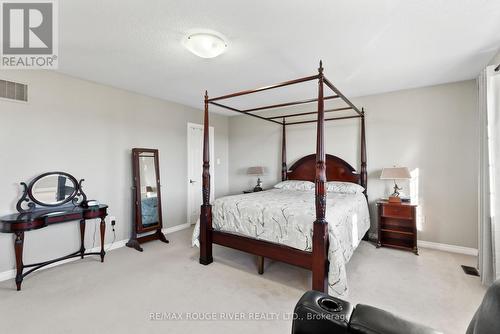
(147, 215)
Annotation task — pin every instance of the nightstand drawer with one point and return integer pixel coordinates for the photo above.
(397, 211)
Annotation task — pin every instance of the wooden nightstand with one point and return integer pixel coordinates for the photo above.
(251, 191)
(397, 225)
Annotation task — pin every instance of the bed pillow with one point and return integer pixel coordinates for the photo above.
(344, 187)
(295, 185)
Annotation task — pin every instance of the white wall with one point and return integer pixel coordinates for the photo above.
(433, 129)
(88, 130)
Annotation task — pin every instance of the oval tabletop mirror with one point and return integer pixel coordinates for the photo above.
(51, 189)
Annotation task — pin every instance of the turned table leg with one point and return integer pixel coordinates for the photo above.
(18, 247)
(103, 230)
(82, 238)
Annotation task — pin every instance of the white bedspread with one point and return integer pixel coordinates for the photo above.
(286, 217)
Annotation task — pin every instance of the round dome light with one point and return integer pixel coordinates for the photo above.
(205, 45)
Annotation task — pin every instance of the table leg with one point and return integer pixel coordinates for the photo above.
(103, 230)
(82, 237)
(18, 247)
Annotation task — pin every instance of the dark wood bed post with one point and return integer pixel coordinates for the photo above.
(206, 208)
(364, 174)
(283, 153)
(320, 229)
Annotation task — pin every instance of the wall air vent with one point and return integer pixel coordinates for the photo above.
(13, 91)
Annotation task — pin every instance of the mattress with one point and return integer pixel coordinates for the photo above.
(286, 217)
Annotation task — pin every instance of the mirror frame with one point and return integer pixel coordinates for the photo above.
(139, 228)
(32, 203)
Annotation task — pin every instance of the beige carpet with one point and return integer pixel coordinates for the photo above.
(119, 295)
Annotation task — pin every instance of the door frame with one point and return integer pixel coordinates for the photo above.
(211, 136)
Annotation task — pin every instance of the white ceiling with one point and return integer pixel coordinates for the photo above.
(367, 46)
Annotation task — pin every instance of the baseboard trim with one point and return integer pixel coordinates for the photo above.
(10, 274)
(176, 228)
(439, 246)
(448, 248)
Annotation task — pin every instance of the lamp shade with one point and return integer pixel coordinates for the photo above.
(395, 173)
(256, 170)
(205, 45)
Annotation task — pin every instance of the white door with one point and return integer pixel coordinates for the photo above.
(195, 169)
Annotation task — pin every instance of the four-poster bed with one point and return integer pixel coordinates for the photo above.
(319, 168)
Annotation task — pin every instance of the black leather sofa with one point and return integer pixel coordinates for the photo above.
(319, 313)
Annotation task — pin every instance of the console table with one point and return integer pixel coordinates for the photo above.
(51, 198)
(19, 223)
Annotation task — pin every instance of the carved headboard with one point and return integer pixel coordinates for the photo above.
(337, 169)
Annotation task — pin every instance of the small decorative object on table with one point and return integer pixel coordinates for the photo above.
(259, 171)
(397, 225)
(90, 203)
(395, 173)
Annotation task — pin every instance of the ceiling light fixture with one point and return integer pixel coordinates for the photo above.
(205, 44)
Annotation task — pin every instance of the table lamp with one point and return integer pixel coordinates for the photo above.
(395, 173)
(258, 171)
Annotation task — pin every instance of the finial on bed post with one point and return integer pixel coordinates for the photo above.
(320, 229)
(283, 153)
(206, 208)
(364, 173)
